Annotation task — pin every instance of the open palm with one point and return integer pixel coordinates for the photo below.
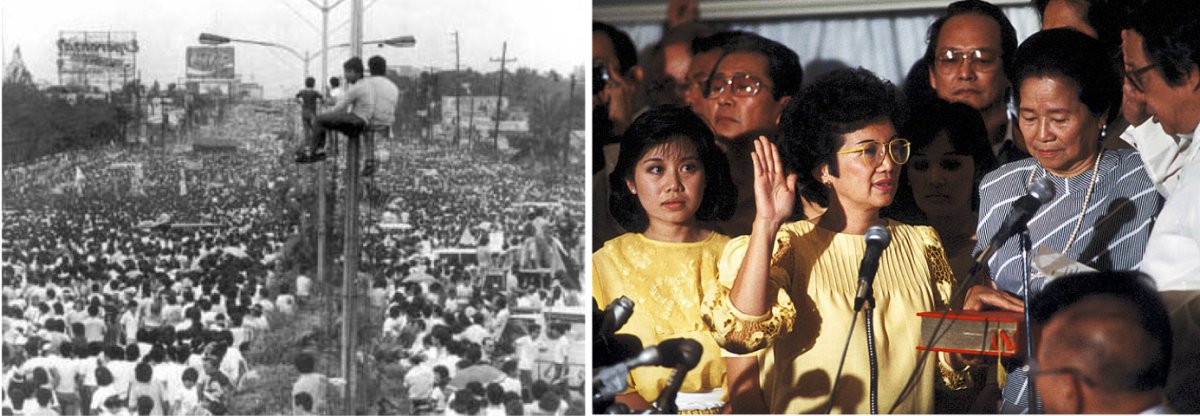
(774, 191)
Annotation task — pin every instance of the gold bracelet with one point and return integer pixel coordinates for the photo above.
(955, 380)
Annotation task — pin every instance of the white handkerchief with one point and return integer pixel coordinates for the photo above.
(1053, 264)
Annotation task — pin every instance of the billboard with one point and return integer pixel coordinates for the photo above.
(210, 62)
(100, 59)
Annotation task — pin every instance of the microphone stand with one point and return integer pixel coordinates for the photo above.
(666, 398)
(869, 309)
(1026, 248)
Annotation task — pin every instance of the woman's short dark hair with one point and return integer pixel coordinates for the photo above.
(813, 122)
(660, 125)
(1075, 57)
(964, 129)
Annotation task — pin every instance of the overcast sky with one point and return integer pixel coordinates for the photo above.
(541, 34)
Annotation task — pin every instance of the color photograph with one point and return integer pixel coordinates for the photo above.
(895, 206)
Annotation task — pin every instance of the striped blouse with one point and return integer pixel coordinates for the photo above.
(1115, 227)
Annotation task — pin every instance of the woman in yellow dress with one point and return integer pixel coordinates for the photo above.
(787, 290)
(669, 182)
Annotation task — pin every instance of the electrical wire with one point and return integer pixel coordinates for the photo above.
(837, 379)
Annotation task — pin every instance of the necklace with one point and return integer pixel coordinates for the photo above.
(1087, 198)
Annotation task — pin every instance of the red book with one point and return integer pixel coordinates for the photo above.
(969, 332)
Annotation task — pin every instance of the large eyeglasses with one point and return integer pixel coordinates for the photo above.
(872, 152)
(983, 60)
(741, 85)
(1134, 76)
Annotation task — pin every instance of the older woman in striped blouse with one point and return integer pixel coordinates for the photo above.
(1067, 89)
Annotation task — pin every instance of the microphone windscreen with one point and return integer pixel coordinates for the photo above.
(1042, 189)
(880, 234)
(680, 353)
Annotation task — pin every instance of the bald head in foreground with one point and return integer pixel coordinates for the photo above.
(1105, 345)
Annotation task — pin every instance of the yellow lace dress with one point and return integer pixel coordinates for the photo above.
(666, 282)
(816, 274)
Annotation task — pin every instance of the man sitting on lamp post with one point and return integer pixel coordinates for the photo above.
(371, 101)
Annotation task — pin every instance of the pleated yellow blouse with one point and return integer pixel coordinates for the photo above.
(666, 282)
(816, 273)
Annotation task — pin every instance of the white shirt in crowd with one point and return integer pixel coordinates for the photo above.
(526, 352)
(286, 303)
(303, 286)
(69, 371)
(1173, 250)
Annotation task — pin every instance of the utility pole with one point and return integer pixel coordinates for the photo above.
(500, 96)
(433, 96)
(471, 118)
(457, 96)
(322, 174)
(567, 140)
(350, 235)
(429, 106)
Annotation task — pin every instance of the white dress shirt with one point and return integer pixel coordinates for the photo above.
(1163, 154)
(1173, 251)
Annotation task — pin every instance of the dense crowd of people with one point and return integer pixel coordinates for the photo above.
(137, 279)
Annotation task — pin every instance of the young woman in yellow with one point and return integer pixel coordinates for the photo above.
(787, 290)
(670, 180)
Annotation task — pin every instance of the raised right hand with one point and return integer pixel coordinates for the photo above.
(774, 191)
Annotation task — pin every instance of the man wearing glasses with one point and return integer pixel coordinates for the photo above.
(1162, 65)
(970, 57)
(742, 97)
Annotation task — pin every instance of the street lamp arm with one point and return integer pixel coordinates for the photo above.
(284, 47)
(398, 42)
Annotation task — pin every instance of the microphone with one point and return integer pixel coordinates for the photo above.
(1040, 192)
(878, 239)
(679, 352)
(675, 352)
(616, 314)
(686, 354)
(610, 381)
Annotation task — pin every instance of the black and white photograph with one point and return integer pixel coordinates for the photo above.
(296, 207)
